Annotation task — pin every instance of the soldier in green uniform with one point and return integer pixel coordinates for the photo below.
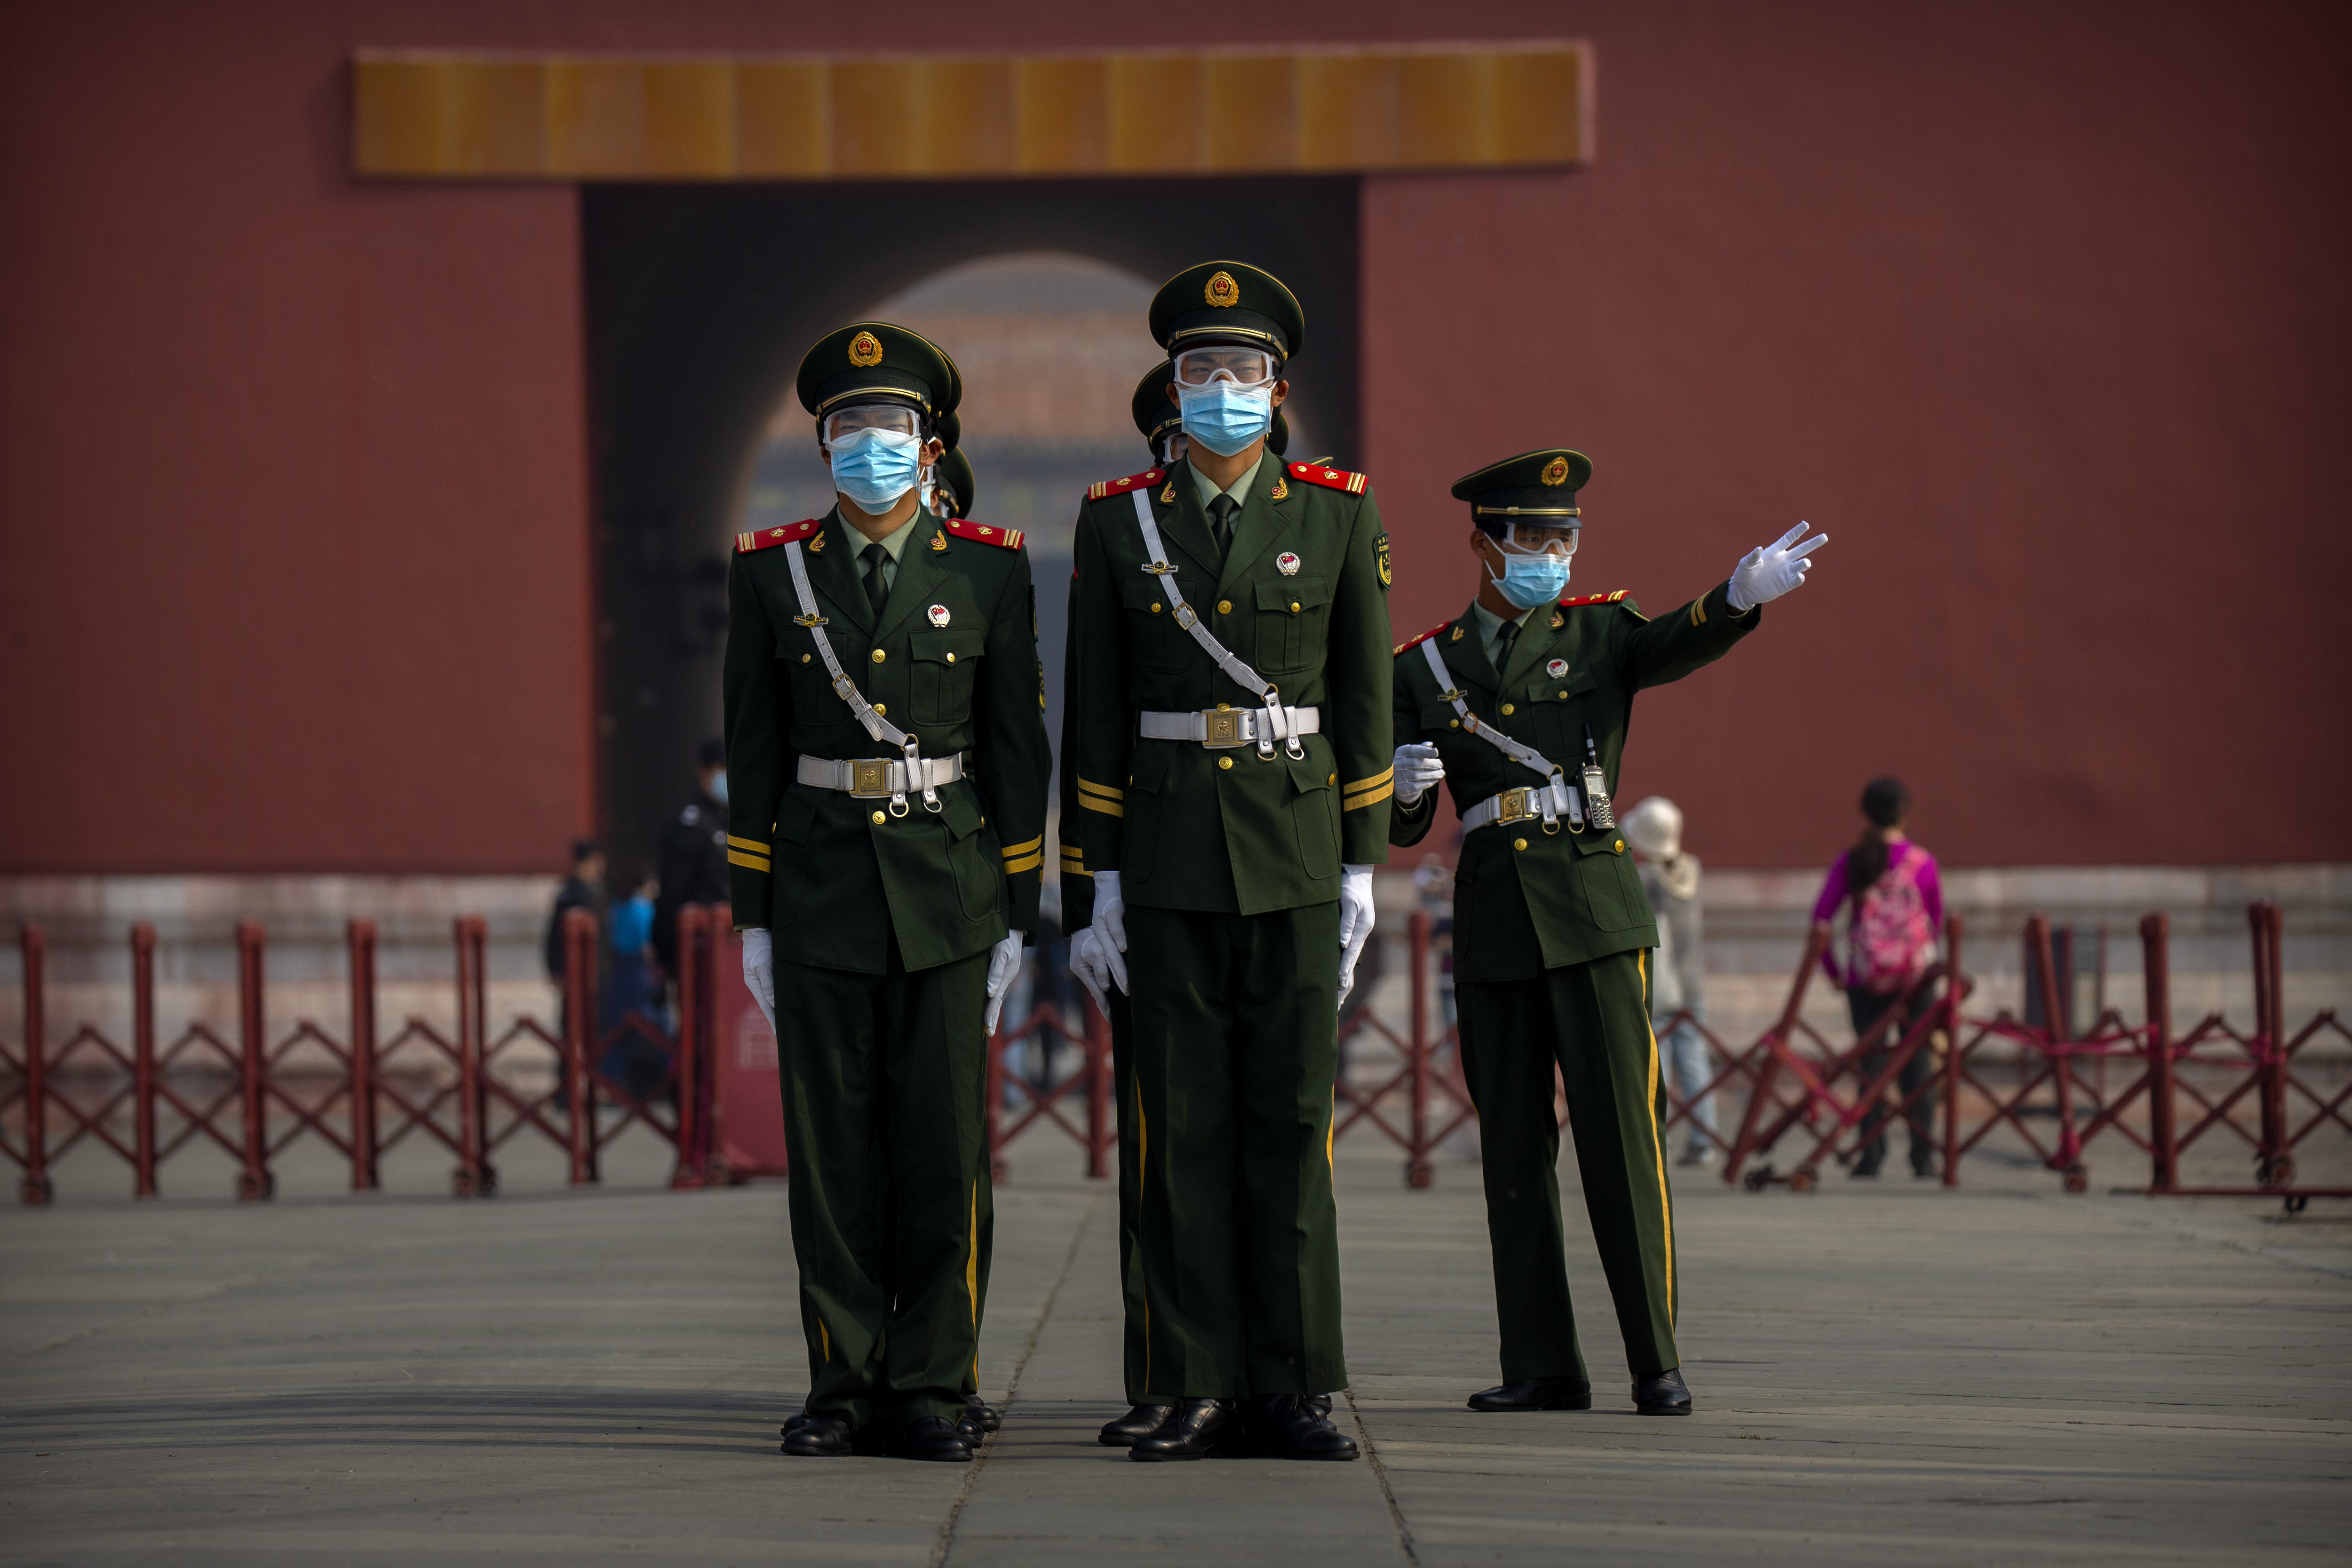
(1160, 423)
(1520, 705)
(888, 765)
(1233, 785)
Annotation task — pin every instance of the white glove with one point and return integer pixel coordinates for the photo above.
(1110, 927)
(1004, 964)
(1355, 922)
(1418, 771)
(1085, 962)
(759, 970)
(1769, 571)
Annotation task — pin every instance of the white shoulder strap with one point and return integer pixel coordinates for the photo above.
(1276, 726)
(877, 726)
(1525, 755)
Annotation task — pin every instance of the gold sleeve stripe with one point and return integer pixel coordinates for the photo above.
(1088, 787)
(1026, 863)
(750, 862)
(1369, 797)
(1699, 612)
(1385, 776)
(1096, 803)
(753, 846)
(1014, 851)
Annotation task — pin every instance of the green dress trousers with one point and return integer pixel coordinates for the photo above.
(884, 1078)
(1235, 1024)
(1592, 1021)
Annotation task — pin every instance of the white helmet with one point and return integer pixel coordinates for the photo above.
(1655, 828)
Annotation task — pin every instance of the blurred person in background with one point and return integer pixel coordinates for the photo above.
(1678, 975)
(1433, 885)
(1897, 900)
(583, 889)
(693, 853)
(633, 984)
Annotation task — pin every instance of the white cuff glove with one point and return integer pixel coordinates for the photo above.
(1110, 927)
(1085, 962)
(1004, 964)
(760, 971)
(1418, 771)
(1769, 571)
(1355, 922)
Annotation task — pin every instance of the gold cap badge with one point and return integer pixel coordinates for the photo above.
(866, 351)
(1222, 292)
(1556, 471)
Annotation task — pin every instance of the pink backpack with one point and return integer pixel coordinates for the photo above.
(1892, 937)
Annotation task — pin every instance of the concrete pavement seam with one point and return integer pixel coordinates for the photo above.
(1012, 1388)
(1380, 1475)
(2182, 1227)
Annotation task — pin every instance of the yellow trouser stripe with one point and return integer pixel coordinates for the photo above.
(1658, 1141)
(754, 846)
(824, 1338)
(1331, 1132)
(1369, 797)
(755, 862)
(1143, 1148)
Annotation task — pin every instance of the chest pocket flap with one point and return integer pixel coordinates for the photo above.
(953, 645)
(1295, 595)
(1566, 687)
(1143, 593)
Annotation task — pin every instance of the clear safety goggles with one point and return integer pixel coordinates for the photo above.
(1244, 366)
(895, 418)
(1540, 537)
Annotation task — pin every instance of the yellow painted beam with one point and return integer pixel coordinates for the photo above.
(435, 115)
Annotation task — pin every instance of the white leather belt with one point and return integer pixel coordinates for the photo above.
(871, 778)
(1218, 728)
(1519, 805)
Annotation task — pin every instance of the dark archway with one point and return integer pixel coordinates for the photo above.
(702, 299)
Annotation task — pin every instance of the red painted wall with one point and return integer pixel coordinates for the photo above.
(2037, 309)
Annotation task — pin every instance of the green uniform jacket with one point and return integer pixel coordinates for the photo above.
(1078, 883)
(1565, 897)
(1226, 830)
(954, 664)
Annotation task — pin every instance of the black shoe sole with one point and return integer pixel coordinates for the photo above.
(1119, 1439)
(1662, 1410)
(1575, 1402)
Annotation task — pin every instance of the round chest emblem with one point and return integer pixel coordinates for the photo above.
(1555, 669)
(1286, 564)
(939, 614)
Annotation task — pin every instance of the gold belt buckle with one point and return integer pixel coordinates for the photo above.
(869, 776)
(1513, 806)
(1224, 727)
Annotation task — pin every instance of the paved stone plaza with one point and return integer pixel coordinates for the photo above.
(1889, 1373)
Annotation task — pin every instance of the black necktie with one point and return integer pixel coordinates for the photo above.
(877, 593)
(1503, 641)
(1221, 522)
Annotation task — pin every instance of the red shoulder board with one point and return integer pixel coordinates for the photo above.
(984, 532)
(765, 538)
(1409, 647)
(1120, 487)
(1594, 598)
(1330, 478)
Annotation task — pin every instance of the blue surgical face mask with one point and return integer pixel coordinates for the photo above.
(1531, 580)
(873, 467)
(718, 786)
(1226, 416)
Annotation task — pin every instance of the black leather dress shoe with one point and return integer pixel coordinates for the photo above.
(1196, 1429)
(930, 1437)
(819, 1434)
(1319, 1403)
(794, 1423)
(1288, 1426)
(1140, 1421)
(977, 1419)
(1536, 1393)
(1662, 1393)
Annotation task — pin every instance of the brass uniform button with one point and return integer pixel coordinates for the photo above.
(1518, 844)
(1621, 847)
(804, 658)
(1333, 779)
(1563, 696)
(1294, 606)
(879, 655)
(1225, 607)
(879, 819)
(950, 659)
(883, 707)
(1155, 609)
(1224, 761)
(1454, 723)
(1509, 710)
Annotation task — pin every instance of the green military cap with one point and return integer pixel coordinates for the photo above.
(953, 476)
(1156, 415)
(950, 428)
(1533, 484)
(1228, 302)
(875, 362)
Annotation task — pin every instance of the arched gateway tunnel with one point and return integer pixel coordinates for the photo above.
(385, 381)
